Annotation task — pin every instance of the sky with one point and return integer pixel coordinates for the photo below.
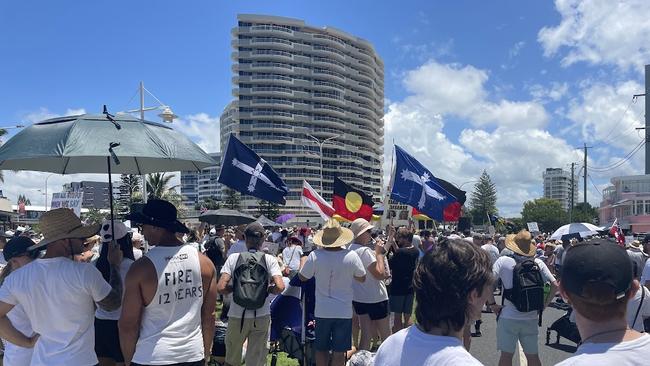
(509, 87)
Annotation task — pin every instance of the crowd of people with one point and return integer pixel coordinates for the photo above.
(159, 293)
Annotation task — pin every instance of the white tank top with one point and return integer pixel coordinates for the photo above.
(170, 331)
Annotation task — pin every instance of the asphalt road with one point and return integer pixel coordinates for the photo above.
(484, 348)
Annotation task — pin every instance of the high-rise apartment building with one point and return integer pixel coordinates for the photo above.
(198, 186)
(557, 186)
(95, 194)
(299, 87)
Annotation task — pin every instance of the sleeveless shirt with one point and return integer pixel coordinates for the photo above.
(170, 331)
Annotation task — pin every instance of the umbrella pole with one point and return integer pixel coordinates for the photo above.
(110, 197)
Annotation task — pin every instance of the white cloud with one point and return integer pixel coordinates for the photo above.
(600, 32)
(514, 157)
(554, 92)
(606, 114)
(460, 91)
(43, 113)
(516, 49)
(202, 129)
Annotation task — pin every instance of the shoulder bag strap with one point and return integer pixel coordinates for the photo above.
(640, 305)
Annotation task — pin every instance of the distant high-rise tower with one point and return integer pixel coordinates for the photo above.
(557, 186)
(295, 85)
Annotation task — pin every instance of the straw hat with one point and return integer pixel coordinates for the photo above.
(522, 243)
(62, 223)
(360, 226)
(333, 235)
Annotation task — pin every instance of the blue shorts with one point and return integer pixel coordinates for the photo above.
(509, 331)
(333, 335)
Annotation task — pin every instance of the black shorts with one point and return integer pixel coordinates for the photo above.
(376, 311)
(107, 340)
(196, 363)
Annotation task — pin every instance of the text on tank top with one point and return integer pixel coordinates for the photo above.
(171, 323)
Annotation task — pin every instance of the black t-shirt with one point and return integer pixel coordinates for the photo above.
(402, 265)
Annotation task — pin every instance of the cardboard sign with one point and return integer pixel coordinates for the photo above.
(70, 200)
(532, 227)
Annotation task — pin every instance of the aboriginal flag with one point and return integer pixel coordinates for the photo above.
(351, 203)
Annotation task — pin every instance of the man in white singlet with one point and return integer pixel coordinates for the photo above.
(170, 296)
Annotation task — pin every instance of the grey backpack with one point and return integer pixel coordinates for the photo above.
(250, 281)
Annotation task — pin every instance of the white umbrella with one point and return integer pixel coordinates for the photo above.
(582, 228)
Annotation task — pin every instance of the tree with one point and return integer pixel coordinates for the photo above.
(158, 185)
(94, 216)
(23, 199)
(232, 200)
(209, 203)
(585, 213)
(547, 213)
(269, 209)
(129, 193)
(483, 201)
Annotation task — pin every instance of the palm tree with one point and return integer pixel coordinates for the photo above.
(157, 186)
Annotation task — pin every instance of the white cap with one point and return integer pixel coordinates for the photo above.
(9, 233)
(213, 231)
(107, 234)
(136, 236)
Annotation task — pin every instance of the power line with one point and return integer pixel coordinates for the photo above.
(620, 119)
(617, 164)
(594, 184)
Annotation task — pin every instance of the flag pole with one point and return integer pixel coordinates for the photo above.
(386, 202)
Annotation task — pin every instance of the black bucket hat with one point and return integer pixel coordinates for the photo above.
(159, 213)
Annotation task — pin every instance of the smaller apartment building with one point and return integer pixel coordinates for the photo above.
(628, 200)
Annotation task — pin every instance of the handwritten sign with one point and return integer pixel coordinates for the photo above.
(71, 200)
(532, 227)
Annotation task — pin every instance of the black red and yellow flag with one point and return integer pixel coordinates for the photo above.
(351, 203)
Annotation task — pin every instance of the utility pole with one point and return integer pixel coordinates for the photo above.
(573, 193)
(647, 119)
(585, 179)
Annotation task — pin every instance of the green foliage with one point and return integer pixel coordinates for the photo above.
(23, 199)
(232, 200)
(94, 216)
(209, 203)
(158, 185)
(548, 214)
(129, 193)
(585, 213)
(269, 209)
(483, 201)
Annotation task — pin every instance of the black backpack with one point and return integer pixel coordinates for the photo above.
(250, 281)
(527, 292)
(214, 252)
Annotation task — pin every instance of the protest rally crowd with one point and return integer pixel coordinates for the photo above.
(160, 293)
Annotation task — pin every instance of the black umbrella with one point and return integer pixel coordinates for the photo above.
(226, 217)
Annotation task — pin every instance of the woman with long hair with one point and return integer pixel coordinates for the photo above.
(17, 254)
(107, 342)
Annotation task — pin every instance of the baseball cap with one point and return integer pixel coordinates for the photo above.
(254, 229)
(597, 261)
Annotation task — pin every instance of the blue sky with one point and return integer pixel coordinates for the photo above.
(509, 86)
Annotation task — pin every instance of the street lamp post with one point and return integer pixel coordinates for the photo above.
(48, 177)
(320, 146)
(167, 116)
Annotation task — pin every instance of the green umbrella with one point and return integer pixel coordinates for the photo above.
(101, 144)
(79, 144)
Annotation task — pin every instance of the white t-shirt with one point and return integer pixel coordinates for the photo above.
(16, 355)
(334, 272)
(115, 314)
(503, 268)
(645, 276)
(492, 251)
(638, 259)
(236, 311)
(372, 290)
(58, 296)
(238, 247)
(411, 346)
(137, 253)
(635, 352)
(644, 311)
(291, 256)
(197, 246)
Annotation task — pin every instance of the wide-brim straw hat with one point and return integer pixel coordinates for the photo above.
(333, 235)
(62, 223)
(521, 243)
(360, 226)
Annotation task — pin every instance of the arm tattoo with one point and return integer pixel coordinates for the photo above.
(113, 300)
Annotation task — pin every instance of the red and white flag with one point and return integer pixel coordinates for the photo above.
(618, 234)
(314, 201)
